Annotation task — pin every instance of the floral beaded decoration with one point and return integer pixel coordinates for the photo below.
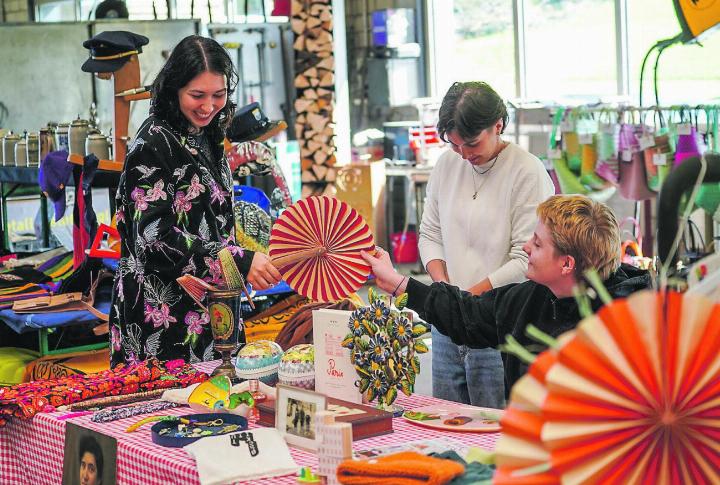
(383, 348)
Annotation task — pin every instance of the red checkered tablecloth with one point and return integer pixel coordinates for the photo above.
(32, 451)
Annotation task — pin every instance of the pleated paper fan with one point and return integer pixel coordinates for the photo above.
(316, 245)
(520, 453)
(634, 396)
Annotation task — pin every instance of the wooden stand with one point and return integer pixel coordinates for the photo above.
(125, 78)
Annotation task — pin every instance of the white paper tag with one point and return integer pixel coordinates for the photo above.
(683, 129)
(567, 125)
(586, 139)
(660, 158)
(647, 141)
(627, 155)
(554, 154)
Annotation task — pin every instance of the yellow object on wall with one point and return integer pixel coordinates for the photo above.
(697, 17)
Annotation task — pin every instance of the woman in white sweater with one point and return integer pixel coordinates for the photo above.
(479, 211)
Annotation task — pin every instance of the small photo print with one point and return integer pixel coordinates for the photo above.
(300, 416)
(90, 457)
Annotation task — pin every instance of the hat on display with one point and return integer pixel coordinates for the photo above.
(251, 124)
(110, 50)
(55, 170)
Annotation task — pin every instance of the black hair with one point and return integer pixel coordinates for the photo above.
(193, 56)
(89, 444)
(469, 108)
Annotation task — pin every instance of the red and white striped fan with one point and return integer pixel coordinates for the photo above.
(316, 244)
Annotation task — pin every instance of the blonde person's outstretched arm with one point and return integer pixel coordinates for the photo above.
(386, 277)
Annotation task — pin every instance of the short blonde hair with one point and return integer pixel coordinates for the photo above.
(584, 229)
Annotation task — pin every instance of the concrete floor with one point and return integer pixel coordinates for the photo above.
(423, 382)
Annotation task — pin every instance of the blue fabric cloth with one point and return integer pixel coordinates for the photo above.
(465, 375)
(253, 195)
(281, 287)
(27, 322)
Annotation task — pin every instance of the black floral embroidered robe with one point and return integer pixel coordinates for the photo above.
(174, 214)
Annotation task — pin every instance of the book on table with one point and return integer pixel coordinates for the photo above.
(366, 421)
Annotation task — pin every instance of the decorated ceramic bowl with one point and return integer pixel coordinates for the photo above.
(297, 367)
(259, 360)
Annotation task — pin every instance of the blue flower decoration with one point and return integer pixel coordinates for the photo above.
(380, 312)
(379, 348)
(403, 329)
(355, 324)
(379, 382)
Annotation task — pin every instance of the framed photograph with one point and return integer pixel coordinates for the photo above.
(90, 457)
(295, 410)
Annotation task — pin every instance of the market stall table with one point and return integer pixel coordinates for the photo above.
(32, 451)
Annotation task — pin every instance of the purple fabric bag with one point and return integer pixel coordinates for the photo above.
(688, 146)
(633, 179)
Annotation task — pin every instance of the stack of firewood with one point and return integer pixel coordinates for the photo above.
(312, 23)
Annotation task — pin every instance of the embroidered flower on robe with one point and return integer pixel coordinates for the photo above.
(182, 204)
(195, 322)
(217, 194)
(196, 188)
(138, 195)
(156, 192)
(115, 338)
(159, 316)
(215, 270)
(234, 250)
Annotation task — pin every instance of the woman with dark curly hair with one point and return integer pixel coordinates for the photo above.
(174, 210)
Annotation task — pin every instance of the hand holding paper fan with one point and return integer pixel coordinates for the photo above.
(316, 245)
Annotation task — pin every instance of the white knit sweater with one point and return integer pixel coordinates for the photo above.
(483, 237)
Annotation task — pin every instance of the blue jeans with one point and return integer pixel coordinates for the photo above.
(465, 375)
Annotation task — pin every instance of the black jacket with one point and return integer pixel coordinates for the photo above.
(485, 320)
(174, 214)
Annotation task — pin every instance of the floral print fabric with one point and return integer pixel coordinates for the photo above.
(25, 400)
(174, 214)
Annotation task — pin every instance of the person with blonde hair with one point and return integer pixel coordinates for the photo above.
(573, 234)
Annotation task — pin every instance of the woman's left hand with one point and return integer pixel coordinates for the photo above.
(263, 274)
(386, 277)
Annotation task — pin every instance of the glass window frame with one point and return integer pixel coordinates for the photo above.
(622, 63)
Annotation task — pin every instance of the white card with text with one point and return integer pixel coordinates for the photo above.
(335, 375)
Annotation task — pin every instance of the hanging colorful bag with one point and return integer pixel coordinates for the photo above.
(633, 181)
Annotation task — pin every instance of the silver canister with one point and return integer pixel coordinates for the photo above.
(62, 133)
(47, 141)
(21, 153)
(78, 135)
(8, 149)
(97, 143)
(33, 149)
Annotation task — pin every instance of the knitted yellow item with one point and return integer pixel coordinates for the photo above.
(406, 468)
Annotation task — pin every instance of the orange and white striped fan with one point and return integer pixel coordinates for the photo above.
(520, 456)
(316, 244)
(634, 396)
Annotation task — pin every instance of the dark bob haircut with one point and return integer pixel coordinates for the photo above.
(88, 444)
(191, 57)
(470, 108)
